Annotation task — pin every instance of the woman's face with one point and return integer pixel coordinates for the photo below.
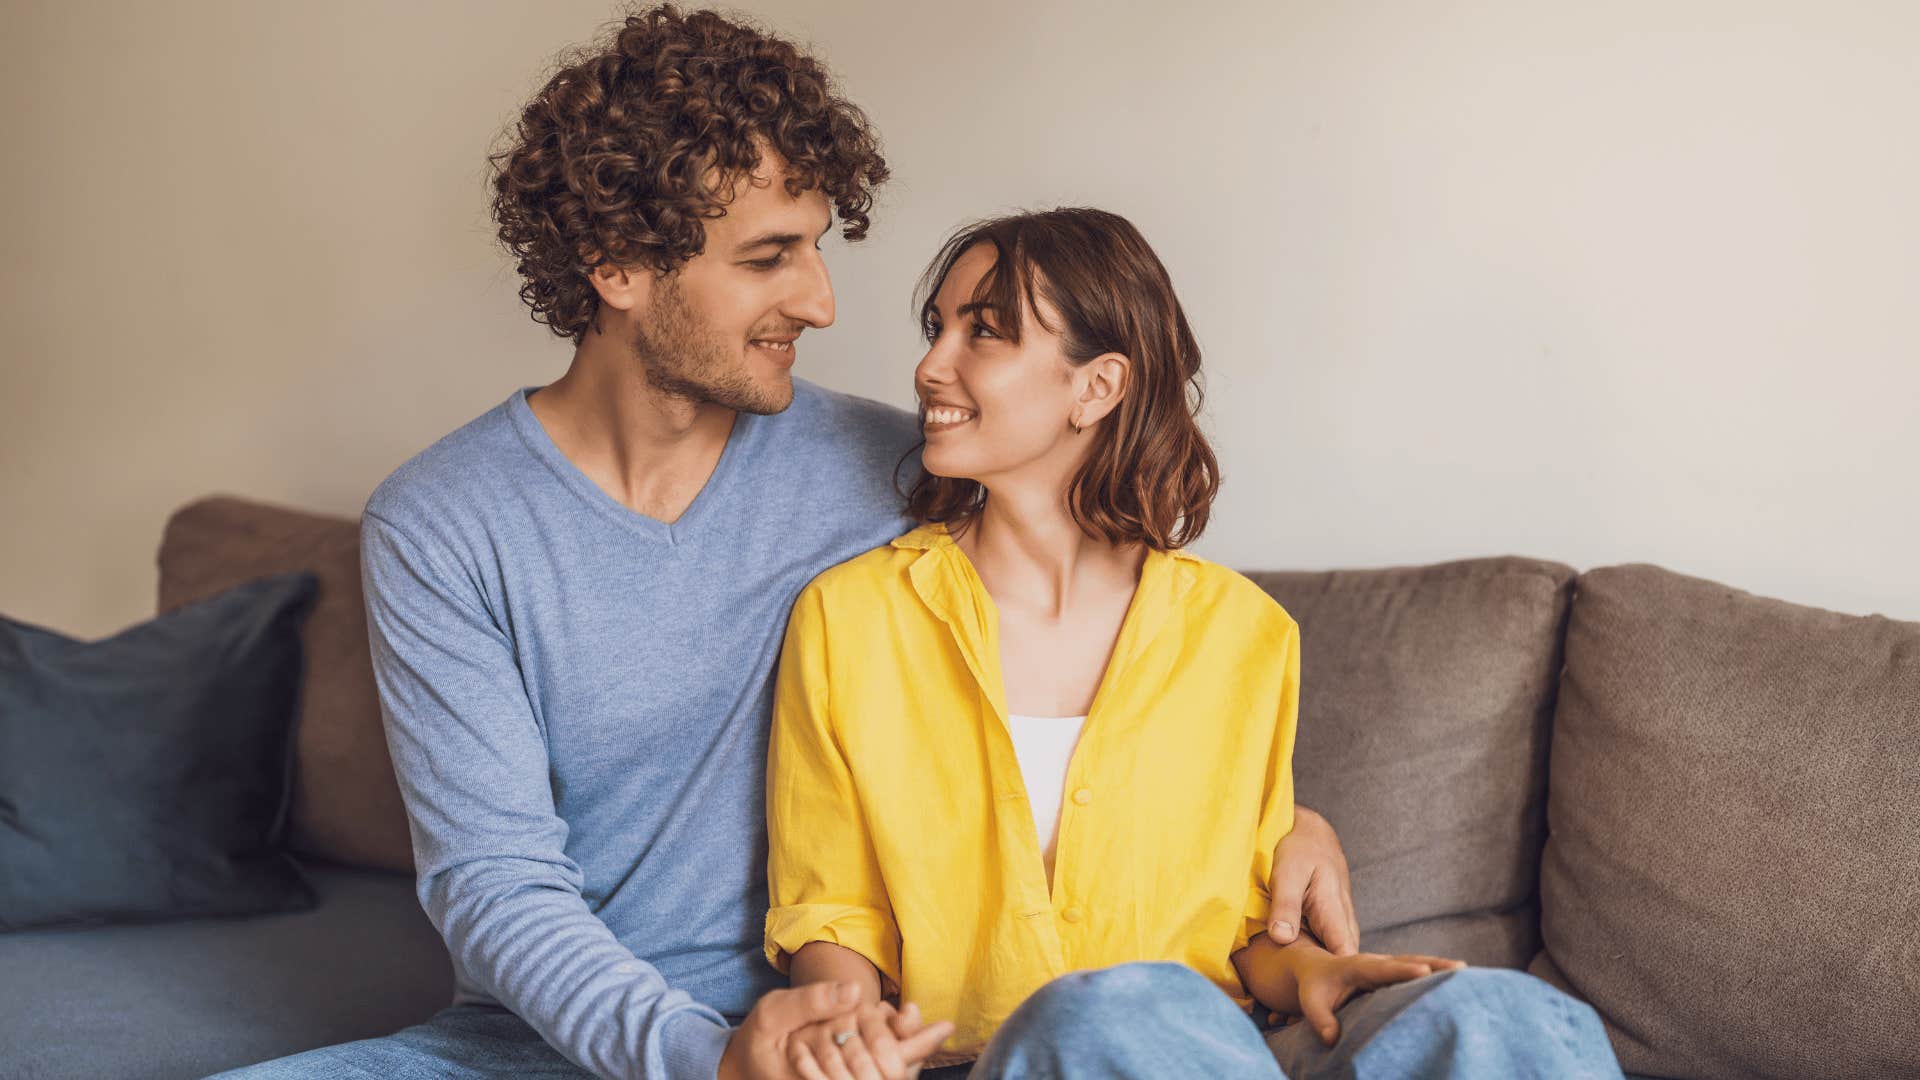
(989, 407)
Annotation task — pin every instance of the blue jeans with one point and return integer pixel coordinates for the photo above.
(1167, 1022)
(458, 1041)
(1150, 1021)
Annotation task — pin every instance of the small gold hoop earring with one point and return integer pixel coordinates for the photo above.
(1077, 429)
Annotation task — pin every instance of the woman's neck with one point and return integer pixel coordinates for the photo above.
(1029, 552)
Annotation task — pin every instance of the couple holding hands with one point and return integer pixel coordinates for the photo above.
(748, 729)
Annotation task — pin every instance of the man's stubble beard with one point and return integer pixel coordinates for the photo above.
(682, 357)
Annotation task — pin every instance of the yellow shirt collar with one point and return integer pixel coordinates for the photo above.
(924, 538)
(946, 582)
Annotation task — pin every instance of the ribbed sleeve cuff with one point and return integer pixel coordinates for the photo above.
(691, 1045)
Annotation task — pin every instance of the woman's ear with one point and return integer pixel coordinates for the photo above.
(1106, 378)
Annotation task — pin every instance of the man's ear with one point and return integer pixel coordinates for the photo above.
(1106, 383)
(624, 289)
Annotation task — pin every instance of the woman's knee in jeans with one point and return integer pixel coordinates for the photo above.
(1125, 994)
(1510, 994)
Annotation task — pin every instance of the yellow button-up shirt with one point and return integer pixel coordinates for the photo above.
(898, 820)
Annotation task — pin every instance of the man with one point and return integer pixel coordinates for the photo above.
(576, 600)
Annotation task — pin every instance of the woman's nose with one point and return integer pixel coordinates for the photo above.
(934, 369)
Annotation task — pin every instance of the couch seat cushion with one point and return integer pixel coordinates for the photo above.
(190, 998)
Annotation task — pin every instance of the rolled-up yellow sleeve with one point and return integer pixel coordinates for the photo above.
(1276, 803)
(823, 878)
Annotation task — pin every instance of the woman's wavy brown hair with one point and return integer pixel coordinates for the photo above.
(610, 160)
(1089, 277)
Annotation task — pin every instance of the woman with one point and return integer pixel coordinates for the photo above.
(1034, 736)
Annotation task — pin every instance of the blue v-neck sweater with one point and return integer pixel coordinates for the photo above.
(577, 700)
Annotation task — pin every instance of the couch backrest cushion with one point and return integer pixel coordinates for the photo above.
(346, 804)
(1733, 872)
(1426, 694)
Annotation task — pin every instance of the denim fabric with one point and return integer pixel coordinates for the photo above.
(1165, 1021)
(1146, 1021)
(1142, 1021)
(1468, 1023)
(459, 1041)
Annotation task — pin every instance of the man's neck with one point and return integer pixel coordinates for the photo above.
(649, 451)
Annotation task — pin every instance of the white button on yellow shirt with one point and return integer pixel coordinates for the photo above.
(1044, 747)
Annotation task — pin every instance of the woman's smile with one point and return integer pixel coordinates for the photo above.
(946, 418)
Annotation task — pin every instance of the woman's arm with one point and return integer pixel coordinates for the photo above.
(823, 877)
(830, 919)
(1301, 978)
(1276, 821)
(1266, 971)
(823, 961)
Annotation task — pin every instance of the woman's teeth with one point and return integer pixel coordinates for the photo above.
(948, 416)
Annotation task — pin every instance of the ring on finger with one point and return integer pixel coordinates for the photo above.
(842, 1038)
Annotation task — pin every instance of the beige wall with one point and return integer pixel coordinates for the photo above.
(1598, 283)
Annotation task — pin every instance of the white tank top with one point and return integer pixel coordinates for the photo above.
(1044, 746)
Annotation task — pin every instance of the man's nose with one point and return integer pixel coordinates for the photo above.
(812, 303)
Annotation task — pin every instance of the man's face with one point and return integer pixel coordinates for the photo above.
(723, 327)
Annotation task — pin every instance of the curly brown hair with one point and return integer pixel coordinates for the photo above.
(1151, 476)
(610, 161)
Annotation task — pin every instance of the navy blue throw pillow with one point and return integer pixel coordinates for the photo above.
(147, 776)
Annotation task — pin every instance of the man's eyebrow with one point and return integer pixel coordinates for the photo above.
(776, 239)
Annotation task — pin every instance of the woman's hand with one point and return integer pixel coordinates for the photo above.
(1303, 979)
(1324, 982)
(1310, 875)
(885, 1044)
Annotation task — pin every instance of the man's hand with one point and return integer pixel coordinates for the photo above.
(1310, 874)
(758, 1048)
(790, 1036)
(884, 1045)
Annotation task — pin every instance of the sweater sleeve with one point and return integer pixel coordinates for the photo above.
(822, 874)
(489, 846)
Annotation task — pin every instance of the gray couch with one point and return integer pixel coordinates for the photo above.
(1696, 808)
